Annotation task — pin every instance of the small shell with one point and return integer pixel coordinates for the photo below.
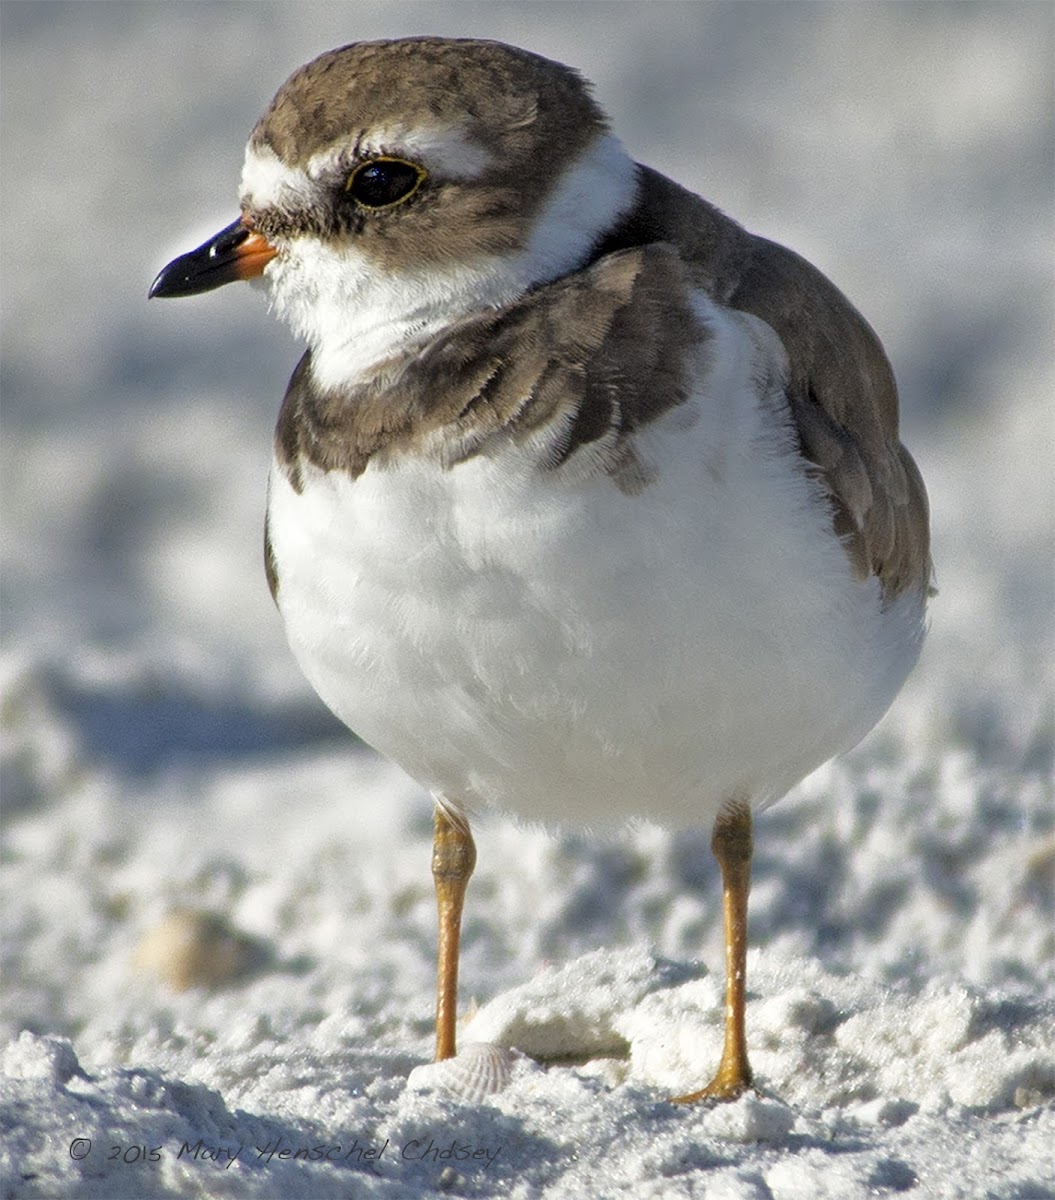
(479, 1070)
(194, 949)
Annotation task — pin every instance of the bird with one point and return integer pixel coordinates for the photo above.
(584, 499)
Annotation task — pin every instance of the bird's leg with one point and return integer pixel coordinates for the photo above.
(453, 859)
(731, 843)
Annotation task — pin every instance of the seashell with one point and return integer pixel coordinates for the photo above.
(194, 949)
(479, 1070)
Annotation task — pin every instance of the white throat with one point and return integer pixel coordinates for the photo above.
(354, 316)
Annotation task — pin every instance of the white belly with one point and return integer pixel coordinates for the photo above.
(561, 649)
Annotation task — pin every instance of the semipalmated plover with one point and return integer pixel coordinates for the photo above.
(584, 499)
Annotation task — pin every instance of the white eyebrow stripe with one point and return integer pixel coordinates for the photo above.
(449, 149)
(267, 182)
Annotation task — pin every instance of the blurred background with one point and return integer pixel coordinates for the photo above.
(906, 149)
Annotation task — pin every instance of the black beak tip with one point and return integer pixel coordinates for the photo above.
(209, 266)
(172, 280)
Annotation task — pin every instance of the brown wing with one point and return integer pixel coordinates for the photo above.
(841, 392)
(844, 403)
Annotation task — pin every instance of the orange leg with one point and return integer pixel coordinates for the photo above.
(453, 859)
(731, 843)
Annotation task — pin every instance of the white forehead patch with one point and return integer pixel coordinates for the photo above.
(268, 183)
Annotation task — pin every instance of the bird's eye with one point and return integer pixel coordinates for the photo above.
(384, 182)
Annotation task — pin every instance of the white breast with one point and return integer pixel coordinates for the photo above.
(563, 649)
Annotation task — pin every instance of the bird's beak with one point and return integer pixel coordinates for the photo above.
(237, 252)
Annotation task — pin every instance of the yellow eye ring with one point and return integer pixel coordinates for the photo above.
(384, 182)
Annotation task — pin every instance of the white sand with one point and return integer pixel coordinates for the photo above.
(162, 755)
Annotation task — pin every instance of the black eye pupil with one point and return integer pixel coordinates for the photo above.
(379, 184)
